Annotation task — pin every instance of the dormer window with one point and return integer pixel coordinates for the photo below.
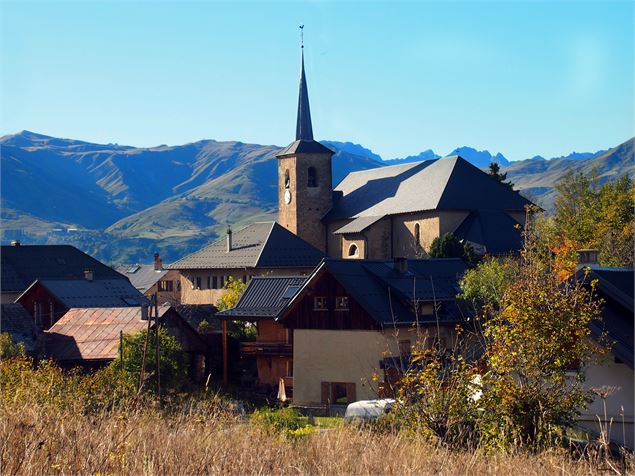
(312, 177)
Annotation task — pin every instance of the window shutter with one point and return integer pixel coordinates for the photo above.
(326, 392)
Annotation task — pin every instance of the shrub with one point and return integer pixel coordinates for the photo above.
(278, 420)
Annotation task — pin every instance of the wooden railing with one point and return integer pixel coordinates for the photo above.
(275, 349)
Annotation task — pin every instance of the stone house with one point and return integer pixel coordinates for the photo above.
(264, 248)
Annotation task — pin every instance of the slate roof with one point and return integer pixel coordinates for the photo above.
(142, 276)
(265, 296)
(259, 245)
(93, 333)
(495, 230)
(21, 265)
(15, 320)
(304, 147)
(358, 225)
(194, 314)
(615, 287)
(96, 293)
(450, 183)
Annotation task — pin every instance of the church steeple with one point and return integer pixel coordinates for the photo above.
(304, 129)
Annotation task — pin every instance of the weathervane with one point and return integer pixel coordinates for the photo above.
(302, 36)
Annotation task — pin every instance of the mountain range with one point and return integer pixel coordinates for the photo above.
(125, 202)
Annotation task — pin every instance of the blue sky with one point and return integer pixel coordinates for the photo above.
(522, 78)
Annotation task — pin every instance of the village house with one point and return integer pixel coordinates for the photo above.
(47, 300)
(15, 321)
(394, 211)
(614, 376)
(333, 337)
(23, 264)
(259, 249)
(91, 337)
(151, 279)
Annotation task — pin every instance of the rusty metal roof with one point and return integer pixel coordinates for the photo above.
(93, 333)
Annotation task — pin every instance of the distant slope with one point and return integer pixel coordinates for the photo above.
(128, 201)
(536, 178)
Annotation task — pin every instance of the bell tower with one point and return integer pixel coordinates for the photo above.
(305, 189)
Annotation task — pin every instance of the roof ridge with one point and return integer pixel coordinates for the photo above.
(265, 243)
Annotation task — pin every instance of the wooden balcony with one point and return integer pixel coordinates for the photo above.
(270, 349)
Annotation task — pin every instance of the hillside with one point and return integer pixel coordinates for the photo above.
(127, 202)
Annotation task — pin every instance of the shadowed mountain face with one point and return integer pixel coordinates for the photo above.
(132, 201)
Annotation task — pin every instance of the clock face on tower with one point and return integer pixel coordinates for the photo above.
(287, 197)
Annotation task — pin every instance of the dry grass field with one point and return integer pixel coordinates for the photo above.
(213, 440)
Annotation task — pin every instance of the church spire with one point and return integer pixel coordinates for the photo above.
(303, 130)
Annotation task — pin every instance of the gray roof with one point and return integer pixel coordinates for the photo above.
(194, 314)
(615, 287)
(304, 147)
(16, 321)
(450, 183)
(265, 296)
(81, 293)
(259, 245)
(142, 276)
(358, 225)
(495, 230)
(303, 129)
(21, 265)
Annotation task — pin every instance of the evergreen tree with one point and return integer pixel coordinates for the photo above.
(494, 171)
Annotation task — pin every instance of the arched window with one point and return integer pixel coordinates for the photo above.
(312, 179)
(287, 181)
(417, 234)
(353, 251)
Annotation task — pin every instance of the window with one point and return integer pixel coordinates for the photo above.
(214, 282)
(312, 177)
(338, 392)
(417, 234)
(290, 292)
(222, 282)
(341, 303)
(353, 251)
(198, 282)
(244, 279)
(319, 303)
(166, 286)
(209, 282)
(287, 180)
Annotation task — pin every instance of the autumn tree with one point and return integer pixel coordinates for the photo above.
(537, 344)
(234, 289)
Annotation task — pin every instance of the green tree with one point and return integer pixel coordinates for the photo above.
(240, 330)
(10, 349)
(448, 246)
(494, 171)
(484, 286)
(173, 363)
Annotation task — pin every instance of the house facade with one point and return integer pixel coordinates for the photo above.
(151, 279)
(328, 336)
(264, 248)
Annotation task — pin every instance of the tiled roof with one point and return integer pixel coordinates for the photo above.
(265, 296)
(21, 265)
(19, 324)
(96, 293)
(495, 230)
(93, 333)
(259, 245)
(142, 276)
(450, 183)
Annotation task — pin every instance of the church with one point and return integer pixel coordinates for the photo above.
(392, 211)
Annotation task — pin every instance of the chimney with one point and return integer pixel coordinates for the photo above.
(229, 239)
(401, 265)
(144, 312)
(15, 242)
(88, 274)
(586, 258)
(158, 264)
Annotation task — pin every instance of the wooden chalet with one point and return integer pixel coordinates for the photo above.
(330, 334)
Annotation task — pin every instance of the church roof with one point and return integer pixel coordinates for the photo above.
(450, 183)
(259, 245)
(304, 147)
(498, 232)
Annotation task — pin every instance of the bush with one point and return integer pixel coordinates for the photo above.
(278, 420)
